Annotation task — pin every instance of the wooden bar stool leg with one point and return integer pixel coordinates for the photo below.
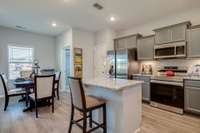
(72, 118)
(58, 97)
(104, 119)
(36, 109)
(52, 104)
(90, 118)
(84, 122)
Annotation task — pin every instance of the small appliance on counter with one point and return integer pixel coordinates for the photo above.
(146, 69)
(194, 70)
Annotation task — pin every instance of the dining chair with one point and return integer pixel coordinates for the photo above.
(9, 91)
(43, 91)
(56, 86)
(85, 104)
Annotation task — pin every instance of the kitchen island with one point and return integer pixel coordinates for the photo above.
(124, 102)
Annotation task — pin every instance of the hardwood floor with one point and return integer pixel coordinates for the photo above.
(159, 121)
(153, 120)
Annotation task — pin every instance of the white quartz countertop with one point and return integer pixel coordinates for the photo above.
(111, 83)
(192, 78)
(145, 75)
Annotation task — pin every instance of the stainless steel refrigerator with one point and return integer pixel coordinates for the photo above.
(124, 63)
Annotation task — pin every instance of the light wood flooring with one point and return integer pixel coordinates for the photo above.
(153, 120)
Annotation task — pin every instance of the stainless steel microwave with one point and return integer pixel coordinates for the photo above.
(171, 50)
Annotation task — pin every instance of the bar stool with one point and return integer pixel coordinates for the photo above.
(85, 104)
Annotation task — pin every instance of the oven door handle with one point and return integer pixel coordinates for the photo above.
(167, 82)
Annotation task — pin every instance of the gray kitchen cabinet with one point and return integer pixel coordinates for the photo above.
(146, 91)
(163, 36)
(172, 33)
(145, 48)
(193, 42)
(131, 42)
(145, 86)
(178, 33)
(192, 96)
(127, 42)
(120, 43)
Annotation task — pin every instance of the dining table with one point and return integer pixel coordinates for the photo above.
(28, 85)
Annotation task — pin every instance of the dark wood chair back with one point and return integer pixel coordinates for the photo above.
(44, 86)
(4, 80)
(77, 93)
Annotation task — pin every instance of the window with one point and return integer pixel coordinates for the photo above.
(19, 59)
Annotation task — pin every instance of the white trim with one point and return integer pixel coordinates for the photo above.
(20, 46)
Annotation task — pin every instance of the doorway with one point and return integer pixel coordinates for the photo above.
(67, 66)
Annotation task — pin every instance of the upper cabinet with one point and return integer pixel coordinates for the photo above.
(172, 33)
(194, 42)
(162, 36)
(178, 33)
(145, 47)
(120, 43)
(127, 42)
(131, 42)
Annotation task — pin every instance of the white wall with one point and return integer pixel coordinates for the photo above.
(146, 29)
(103, 43)
(44, 47)
(75, 38)
(63, 41)
(85, 40)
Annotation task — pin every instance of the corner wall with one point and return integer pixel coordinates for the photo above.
(75, 38)
(103, 43)
(44, 47)
(63, 41)
(85, 40)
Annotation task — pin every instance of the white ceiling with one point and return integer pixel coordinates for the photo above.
(37, 15)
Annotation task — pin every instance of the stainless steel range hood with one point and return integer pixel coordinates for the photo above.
(170, 50)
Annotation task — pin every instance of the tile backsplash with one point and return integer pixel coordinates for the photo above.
(181, 63)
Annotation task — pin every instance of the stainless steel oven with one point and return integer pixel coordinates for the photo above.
(167, 95)
(171, 50)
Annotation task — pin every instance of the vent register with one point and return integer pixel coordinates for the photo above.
(98, 6)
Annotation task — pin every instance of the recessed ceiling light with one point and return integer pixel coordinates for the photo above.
(112, 18)
(54, 24)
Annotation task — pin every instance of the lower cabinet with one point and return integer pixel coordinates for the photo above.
(146, 91)
(145, 86)
(192, 96)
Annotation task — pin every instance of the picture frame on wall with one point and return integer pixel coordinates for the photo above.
(78, 62)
